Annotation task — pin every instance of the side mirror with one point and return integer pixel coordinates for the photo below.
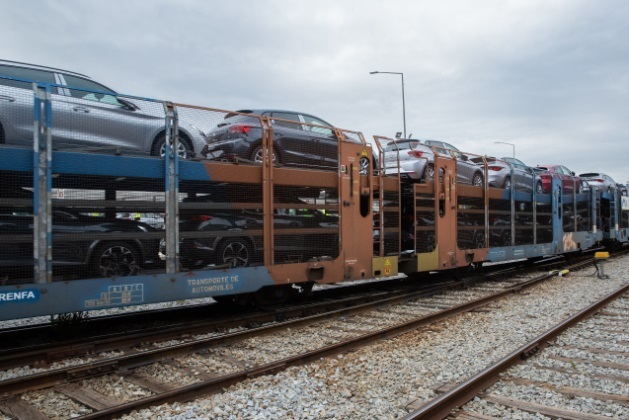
(572, 173)
(464, 158)
(127, 104)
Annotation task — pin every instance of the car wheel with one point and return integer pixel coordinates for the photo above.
(507, 184)
(479, 240)
(184, 149)
(506, 238)
(234, 252)
(429, 173)
(116, 259)
(257, 156)
(364, 165)
(477, 180)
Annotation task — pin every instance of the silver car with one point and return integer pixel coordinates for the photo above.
(86, 114)
(598, 181)
(416, 161)
(500, 175)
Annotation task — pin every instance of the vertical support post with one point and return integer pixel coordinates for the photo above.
(42, 184)
(534, 209)
(512, 196)
(267, 192)
(171, 175)
(574, 205)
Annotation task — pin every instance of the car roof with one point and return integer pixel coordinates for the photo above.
(38, 67)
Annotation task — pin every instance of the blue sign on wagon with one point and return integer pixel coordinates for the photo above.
(20, 296)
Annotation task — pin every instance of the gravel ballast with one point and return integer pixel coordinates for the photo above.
(381, 380)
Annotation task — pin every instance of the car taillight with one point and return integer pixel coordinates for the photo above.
(599, 180)
(415, 153)
(240, 129)
(495, 168)
(200, 217)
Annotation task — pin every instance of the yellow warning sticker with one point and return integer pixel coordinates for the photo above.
(387, 267)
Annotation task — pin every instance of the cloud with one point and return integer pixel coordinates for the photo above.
(550, 77)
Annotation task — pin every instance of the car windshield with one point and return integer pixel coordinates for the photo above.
(400, 145)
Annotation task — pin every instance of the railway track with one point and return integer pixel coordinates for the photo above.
(492, 389)
(211, 363)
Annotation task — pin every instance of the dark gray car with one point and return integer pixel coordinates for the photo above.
(86, 114)
(299, 139)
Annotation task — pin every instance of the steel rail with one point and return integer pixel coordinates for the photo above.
(213, 385)
(443, 405)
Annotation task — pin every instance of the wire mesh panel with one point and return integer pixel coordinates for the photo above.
(306, 224)
(98, 120)
(298, 141)
(220, 225)
(544, 217)
(16, 232)
(471, 221)
(424, 222)
(584, 217)
(390, 232)
(568, 213)
(16, 105)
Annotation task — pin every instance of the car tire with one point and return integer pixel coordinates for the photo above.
(507, 183)
(115, 259)
(257, 156)
(234, 252)
(363, 163)
(506, 238)
(477, 180)
(479, 240)
(159, 146)
(429, 173)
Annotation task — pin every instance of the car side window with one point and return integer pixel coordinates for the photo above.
(295, 123)
(98, 96)
(25, 73)
(449, 146)
(317, 126)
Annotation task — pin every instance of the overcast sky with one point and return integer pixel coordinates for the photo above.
(551, 77)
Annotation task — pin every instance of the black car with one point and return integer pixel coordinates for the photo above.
(299, 139)
(225, 236)
(98, 257)
(80, 242)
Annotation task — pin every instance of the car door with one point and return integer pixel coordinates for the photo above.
(17, 104)
(523, 178)
(567, 179)
(465, 169)
(96, 118)
(293, 143)
(326, 144)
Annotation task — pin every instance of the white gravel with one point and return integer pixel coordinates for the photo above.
(380, 381)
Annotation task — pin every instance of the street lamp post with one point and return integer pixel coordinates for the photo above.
(510, 144)
(403, 103)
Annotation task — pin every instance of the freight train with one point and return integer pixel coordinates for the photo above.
(86, 228)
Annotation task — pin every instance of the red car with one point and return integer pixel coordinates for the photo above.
(569, 181)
